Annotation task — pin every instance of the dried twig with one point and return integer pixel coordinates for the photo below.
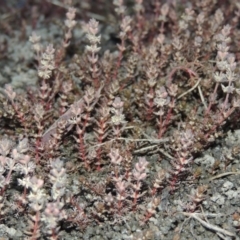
(209, 225)
(223, 175)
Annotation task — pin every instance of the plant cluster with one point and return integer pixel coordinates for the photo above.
(87, 144)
